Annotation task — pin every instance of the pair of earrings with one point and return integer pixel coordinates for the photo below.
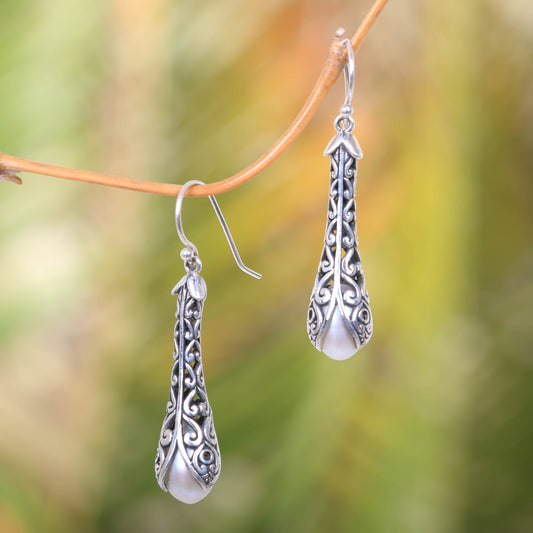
(339, 320)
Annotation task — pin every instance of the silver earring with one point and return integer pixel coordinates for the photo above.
(339, 320)
(187, 463)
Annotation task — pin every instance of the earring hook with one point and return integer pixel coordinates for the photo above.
(349, 73)
(191, 247)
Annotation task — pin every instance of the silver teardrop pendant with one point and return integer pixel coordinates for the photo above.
(188, 457)
(339, 320)
(187, 463)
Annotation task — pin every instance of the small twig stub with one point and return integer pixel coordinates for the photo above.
(9, 174)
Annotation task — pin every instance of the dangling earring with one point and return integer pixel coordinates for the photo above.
(339, 321)
(187, 463)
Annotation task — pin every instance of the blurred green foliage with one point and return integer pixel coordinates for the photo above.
(429, 427)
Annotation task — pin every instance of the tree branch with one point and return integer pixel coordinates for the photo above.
(334, 64)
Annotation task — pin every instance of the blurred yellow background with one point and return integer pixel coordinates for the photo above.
(428, 428)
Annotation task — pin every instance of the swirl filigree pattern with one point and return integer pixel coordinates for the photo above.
(188, 426)
(340, 283)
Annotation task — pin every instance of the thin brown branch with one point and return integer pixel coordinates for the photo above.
(334, 64)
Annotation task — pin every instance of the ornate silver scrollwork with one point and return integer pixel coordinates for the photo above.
(187, 463)
(188, 428)
(339, 321)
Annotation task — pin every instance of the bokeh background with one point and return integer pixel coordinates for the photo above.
(429, 428)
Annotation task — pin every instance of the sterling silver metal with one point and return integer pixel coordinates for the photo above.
(340, 283)
(188, 427)
(190, 246)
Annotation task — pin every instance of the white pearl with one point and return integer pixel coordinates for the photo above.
(337, 341)
(182, 484)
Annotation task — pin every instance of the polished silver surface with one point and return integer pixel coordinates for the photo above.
(339, 319)
(223, 223)
(188, 427)
(187, 462)
(349, 74)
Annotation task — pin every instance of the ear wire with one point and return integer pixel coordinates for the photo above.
(191, 247)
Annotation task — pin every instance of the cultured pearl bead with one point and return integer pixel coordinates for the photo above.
(337, 341)
(182, 484)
